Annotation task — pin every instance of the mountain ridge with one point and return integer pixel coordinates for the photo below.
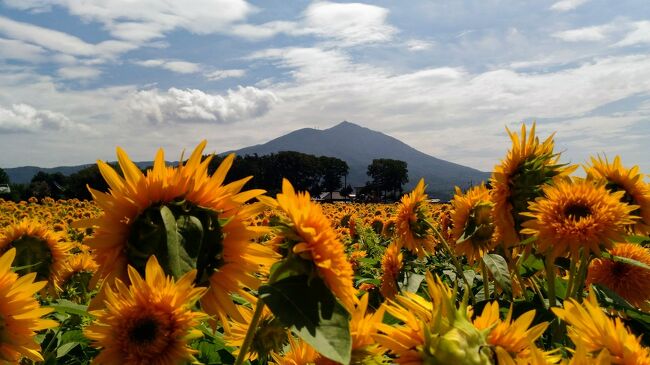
(355, 144)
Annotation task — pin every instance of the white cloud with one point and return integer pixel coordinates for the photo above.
(139, 21)
(344, 24)
(192, 105)
(566, 5)
(350, 23)
(224, 74)
(639, 35)
(586, 34)
(415, 45)
(26, 118)
(17, 50)
(78, 72)
(56, 41)
(182, 67)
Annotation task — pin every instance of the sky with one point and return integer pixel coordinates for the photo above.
(80, 77)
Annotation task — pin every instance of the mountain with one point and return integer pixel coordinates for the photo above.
(358, 146)
(24, 174)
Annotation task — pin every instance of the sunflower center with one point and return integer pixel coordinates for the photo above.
(181, 235)
(577, 211)
(144, 331)
(269, 337)
(619, 270)
(626, 198)
(32, 255)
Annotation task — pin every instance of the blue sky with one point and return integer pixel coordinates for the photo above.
(78, 78)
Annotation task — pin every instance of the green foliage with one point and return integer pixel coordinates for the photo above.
(387, 176)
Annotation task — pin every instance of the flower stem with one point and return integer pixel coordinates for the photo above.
(454, 260)
(550, 280)
(250, 334)
(572, 278)
(486, 280)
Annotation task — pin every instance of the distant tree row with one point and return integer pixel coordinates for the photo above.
(306, 172)
(316, 174)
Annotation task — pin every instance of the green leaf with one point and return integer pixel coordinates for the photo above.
(626, 260)
(68, 307)
(173, 249)
(73, 336)
(313, 313)
(531, 266)
(65, 348)
(498, 267)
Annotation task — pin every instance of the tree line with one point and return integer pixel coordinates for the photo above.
(316, 174)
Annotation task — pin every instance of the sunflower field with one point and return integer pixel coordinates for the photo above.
(543, 265)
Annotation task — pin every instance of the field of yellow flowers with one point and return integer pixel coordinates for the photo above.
(173, 266)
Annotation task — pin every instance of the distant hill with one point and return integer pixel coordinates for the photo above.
(358, 146)
(24, 174)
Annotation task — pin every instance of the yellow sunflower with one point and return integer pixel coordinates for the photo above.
(473, 230)
(300, 353)
(519, 178)
(38, 249)
(210, 220)
(434, 331)
(629, 281)
(391, 265)
(411, 230)
(148, 322)
(363, 326)
(574, 215)
(630, 181)
(77, 276)
(511, 341)
(270, 335)
(309, 235)
(589, 327)
(20, 313)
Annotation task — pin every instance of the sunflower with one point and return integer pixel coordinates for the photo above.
(411, 229)
(210, 220)
(150, 321)
(20, 313)
(575, 215)
(270, 336)
(627, 280)
(528, 166)
(391, 265)
(308, 234)
(434, 331)
(76, 277)
(630, 181)
(300, 353)
(589, 327)
(473, 230)
(510, 340)
(38, 249)
(363, 326)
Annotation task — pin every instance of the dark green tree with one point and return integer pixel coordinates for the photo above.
(333, 170)
(4, 178)
(90, 176)
(388, 176)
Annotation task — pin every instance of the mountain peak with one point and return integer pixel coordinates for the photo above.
(358, 146)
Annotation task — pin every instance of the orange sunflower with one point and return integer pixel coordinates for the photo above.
(149, 322)
(391, 265)
(473, 230)
(590, 328)
(511, 341)
(630, 181)
(411, 229)
(308, 234)
(141, 211)
(270, 335)
(574, 215)
(528, 166)
(20, 313)
(434, 331)
(629, 281)
(38, 249)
